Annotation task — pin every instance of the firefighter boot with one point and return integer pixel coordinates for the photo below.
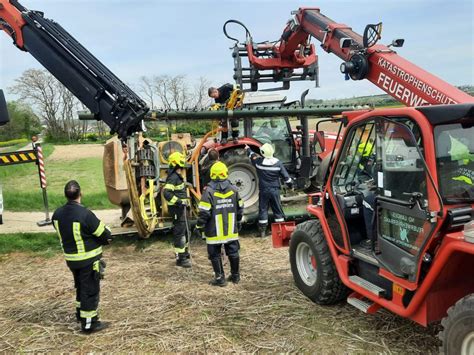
(219, 272)
(96, 326)
(186, 253)
(234, 270)
(183, 261)
(262, 230)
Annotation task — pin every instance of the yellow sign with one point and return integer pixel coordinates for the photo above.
(19, 157)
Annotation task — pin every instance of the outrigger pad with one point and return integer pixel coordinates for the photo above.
(4, 117)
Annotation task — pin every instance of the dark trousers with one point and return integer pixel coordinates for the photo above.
(87, 284)
(179, 229)
(269, 198)
(231, 249)
(234, 124)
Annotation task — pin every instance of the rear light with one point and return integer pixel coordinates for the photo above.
(469, 232)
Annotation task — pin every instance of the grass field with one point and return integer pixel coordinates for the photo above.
(42, 244)
(156, 307)
(21, 191)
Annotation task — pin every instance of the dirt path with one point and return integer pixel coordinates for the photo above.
(25, 222)
(76, 151)
(156, 307)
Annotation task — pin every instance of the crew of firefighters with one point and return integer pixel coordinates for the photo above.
(219, 222)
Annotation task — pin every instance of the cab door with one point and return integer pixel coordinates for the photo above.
(405, 221)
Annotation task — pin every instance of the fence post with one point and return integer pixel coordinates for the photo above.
(1, 204)
(42, 177)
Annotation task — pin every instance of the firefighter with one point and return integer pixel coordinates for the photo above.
(219, 221)
(211, 158)
(269, 171)
(221, 95)
(175, 194)
(82, 235)
(462, 171)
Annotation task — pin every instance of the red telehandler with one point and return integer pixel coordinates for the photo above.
(393, 226)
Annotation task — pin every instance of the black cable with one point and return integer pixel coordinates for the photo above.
(224, 28)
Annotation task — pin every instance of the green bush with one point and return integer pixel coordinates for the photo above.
(196, 128)
(13, 142)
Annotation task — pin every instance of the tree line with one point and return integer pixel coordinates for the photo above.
(46, 106)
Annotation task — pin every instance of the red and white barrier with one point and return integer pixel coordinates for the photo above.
(42, 172)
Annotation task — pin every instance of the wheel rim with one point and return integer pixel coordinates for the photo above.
(467, 347)
(306, 264)
(245, 180)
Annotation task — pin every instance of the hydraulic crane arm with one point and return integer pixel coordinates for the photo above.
(108, 98)
(363, 59)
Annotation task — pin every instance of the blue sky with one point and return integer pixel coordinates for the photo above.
(135, 38)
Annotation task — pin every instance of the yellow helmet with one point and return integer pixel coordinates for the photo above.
(219, 171)
(177, 159)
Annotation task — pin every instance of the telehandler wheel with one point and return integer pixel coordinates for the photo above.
(312, 266)
(457, 335)
(243, 175)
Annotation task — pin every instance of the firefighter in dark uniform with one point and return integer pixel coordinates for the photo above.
(82, 236)
(269, 171)
(219, 220)
(175, 194)
(220, 96)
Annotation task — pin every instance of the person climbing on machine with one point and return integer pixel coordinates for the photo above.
(221, 95)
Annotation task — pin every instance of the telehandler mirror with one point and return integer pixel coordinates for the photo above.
(397, 43)
(319, 140)
(4, 117)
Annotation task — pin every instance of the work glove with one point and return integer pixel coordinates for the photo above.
(290, 184)
(182, 203)
(197, 233)
(102, 266)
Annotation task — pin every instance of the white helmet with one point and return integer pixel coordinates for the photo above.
(267, 150)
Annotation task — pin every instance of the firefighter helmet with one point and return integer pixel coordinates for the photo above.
(177, 159)
(219, 171)
(267, 150)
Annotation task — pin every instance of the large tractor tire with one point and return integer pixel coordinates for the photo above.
(312, 266)
(243, 175)
(457, 335)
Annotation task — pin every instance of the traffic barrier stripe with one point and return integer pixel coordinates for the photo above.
(20, 157)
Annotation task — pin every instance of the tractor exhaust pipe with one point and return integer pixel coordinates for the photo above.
(305, 127)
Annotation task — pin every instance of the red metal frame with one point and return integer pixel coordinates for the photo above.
(443, 285)
(12, 16)
(398, 77)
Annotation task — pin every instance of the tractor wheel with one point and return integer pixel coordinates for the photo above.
(457, 335)
(312, 266)
(243, 176)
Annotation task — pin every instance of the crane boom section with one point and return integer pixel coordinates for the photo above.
(75, 67)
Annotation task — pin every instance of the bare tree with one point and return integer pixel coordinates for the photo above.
(52, 101)
(146, 88)
(201, 98)
(174, 92)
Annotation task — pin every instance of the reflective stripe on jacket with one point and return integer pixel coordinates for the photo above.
(81, 234)
(220, 209)
(269, 171)
(175, 188)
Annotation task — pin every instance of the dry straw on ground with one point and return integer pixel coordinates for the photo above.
(155, 306)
